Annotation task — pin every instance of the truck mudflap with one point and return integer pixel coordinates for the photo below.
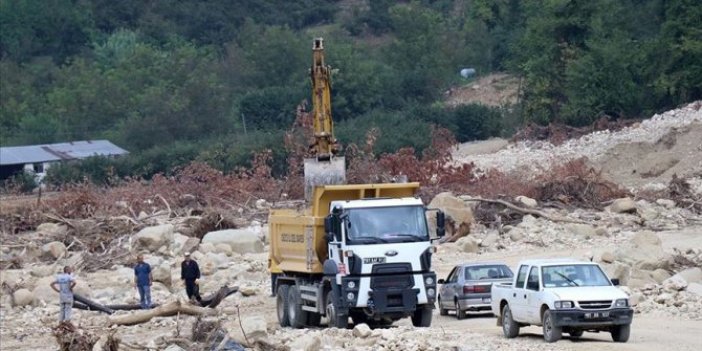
(383, 301)
(594, 319)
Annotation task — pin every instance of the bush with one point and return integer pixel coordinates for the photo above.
(21, 183)
(476, 122)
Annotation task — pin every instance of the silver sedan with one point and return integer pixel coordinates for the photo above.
(467, 288)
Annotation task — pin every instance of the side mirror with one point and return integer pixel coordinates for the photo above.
(441, 281)
(440, 224)
(328, 227)
(332, 228)
(615, 282)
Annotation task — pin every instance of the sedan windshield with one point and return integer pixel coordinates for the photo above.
(573, 275)
(387, 224)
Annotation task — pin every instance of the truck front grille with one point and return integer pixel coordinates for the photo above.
(595, 305)
(395, 281)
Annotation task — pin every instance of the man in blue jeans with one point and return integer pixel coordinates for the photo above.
(142, 281)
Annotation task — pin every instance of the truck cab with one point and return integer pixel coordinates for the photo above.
(562, 295)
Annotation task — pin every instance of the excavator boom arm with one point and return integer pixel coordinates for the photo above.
(325, 145)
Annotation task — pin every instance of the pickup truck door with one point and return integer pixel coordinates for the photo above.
(534, 297)
(517, 296)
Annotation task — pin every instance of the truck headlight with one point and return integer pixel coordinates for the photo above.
(431, 292)
(621, 303)
(561, 305)
(351, 284)
(429, 281)
(350, 296)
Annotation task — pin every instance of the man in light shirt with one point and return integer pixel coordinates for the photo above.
(64, 285)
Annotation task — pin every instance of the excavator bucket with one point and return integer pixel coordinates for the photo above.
(323, 172)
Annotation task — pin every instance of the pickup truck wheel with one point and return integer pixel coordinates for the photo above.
(509, 327)
(551, 332)
(620, 333)
(281, 304)
(335, 319)
(442, 310)
(422, 317)
(459, 314)
(297, 316)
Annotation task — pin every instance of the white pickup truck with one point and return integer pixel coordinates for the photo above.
(562, 295)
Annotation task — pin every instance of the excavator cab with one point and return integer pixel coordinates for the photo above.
(324, 167)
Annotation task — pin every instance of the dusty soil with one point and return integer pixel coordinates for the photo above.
(492, 90)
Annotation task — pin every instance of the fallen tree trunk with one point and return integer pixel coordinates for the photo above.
(525, 210)
(170, 309)
(90, 305)
(215, 299)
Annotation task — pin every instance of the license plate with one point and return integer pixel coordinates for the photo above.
(372, 260)
(487, 300)
(594, 315)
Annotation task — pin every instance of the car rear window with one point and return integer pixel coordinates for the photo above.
(497, 271)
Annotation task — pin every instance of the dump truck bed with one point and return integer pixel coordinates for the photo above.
(297, 236)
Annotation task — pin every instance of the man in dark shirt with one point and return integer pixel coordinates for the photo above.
(143, 281)
(190, 273)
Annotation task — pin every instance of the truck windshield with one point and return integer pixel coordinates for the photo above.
(386, 224)
(573, 275)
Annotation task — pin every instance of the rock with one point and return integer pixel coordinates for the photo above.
(240, 240)
(695, 288)
(55, 249)
(584, 230)
(43, 294)
(43, 271)
(255, 327)
(623, 205)
(467, 244)
(262, 204)
(52, 229)
(526, 201)
(223, 249)
(490, 240)
(457, 212)
(152, 238)
(691, 275)
(248, 290)
(162, 274)
(601, 231)
(646, 237)
(663, 298)
(666, 203)
(516, 234)
(22, 297)
(648, 214)
(675, 283)
(635, 298)
(174, 347)
(361, 330)
(659, 275)
(607, 257)
(306, 342)
(206, 247)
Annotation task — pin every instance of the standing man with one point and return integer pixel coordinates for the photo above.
(64, 285)
(143, 281)
(190, 273)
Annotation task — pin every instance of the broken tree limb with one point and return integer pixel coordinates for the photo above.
(166, 310)
(90, 304)
(215, 299)
(525, 210)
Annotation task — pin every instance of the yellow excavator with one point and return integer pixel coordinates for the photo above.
(324, 167)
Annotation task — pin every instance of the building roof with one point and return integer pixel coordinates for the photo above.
(14, 155)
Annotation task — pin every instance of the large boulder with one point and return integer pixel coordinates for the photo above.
(362, 330)
(240, 240)
(526, 201)
(645, 252)
(162, 273)
(468, 244)
(583, 230)
(52, 229)
(695, 288)
(457, 211)
(645, 238)
(691, 275)
(54, 249)
(490, 240)
(152, 238)
(22, 297)
(255, 326)
(623, 205)
(306, 342)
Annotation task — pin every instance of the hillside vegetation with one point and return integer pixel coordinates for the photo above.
(214, 81)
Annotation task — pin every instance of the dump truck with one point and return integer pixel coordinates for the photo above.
(360, 251)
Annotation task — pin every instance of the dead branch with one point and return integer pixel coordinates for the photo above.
(167, 310)
(525, 210)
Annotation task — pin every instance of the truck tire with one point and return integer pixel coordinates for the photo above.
(313, 319)
(442, 310)
(459, 314)
(422, 317)
(509, 327)
(551, 332)
(620, 333)
(281, 304)
(296, 315)
(336, 320)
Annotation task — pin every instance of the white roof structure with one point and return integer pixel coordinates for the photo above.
(14, 155)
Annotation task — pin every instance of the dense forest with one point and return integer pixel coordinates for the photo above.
(174, 81)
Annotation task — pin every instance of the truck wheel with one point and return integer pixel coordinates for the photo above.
(422, 317)
(335, 320)
(296, 315)
(620, 333)
(313, 319)
(442, 310)
(459, 314)
(509, 327)
(281, 304)
(551, 332)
